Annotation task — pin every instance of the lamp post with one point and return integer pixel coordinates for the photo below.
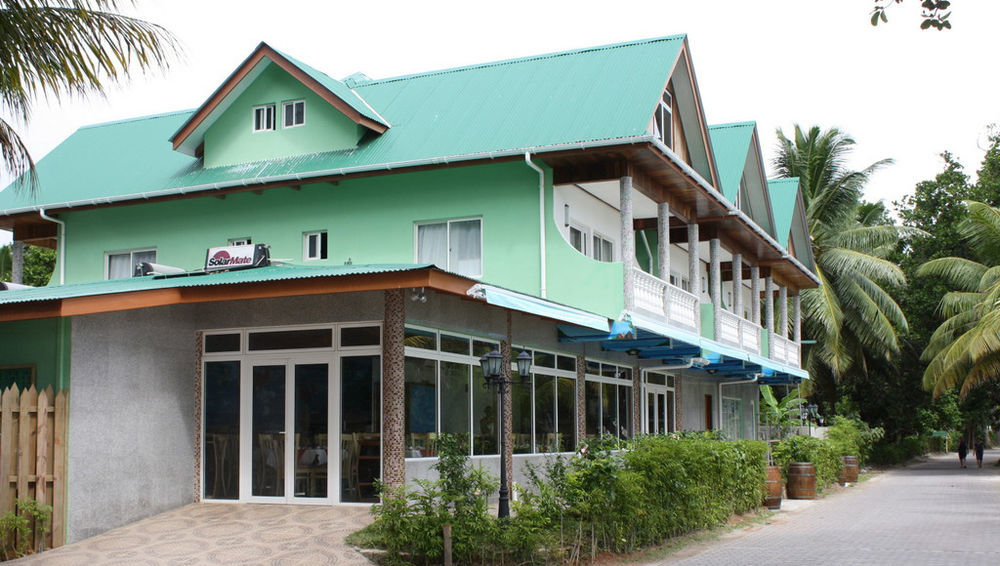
(493, 375)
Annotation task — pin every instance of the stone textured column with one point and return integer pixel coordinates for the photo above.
(393, 390)
(755, 294)
(636, 399)
(17, 262)
(199, 348)
(581, 398)
(507, 415)
(738, 284)
(797, 318)
(663, 240)
(769, 304)
(783, 310)
(678, 402)
(694, 262)
(627, 239)
(715, 282)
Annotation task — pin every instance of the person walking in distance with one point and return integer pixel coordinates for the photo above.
(963, 451)
(979, 451)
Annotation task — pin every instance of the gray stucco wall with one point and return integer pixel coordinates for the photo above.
(696, 386)
(131, 430)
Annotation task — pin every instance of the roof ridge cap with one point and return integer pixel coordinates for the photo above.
(524, 59)
(135, 119)
(733, 125)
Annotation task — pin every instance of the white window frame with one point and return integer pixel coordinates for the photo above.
(595, 235)
(448, 223)
(319, 245)
(253, 118)
(585, 237)
(288, 103)
(664, 119)
(131, 252)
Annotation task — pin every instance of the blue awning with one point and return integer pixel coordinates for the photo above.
(533, 305)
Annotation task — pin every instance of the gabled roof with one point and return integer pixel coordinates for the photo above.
(784, 194)
(731, 143)
(190, 136)
(593, 96)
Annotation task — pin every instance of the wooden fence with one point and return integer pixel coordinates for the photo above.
(33, 453)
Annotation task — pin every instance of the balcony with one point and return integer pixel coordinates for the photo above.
(658, 298)
(739, 332)
(785, 351)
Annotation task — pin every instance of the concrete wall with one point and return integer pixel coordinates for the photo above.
(697, 385)
(132, 407)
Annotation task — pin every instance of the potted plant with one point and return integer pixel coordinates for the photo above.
(779, 416)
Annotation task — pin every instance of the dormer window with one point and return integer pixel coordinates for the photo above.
(665, 119)
(294, 113)
(263, 118)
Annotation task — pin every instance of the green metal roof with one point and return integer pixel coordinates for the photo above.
(150, 282)
(342, 91)
(783, 194)
(600, 94)
(731, 144)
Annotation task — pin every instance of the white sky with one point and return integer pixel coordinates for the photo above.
(900, 92)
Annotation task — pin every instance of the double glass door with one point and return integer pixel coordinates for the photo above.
(659, 410)
(303, 430)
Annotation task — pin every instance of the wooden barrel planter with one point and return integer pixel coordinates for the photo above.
(801, 480)
(773, 498)
(849, 469)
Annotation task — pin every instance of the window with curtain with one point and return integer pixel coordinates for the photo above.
(455, 245)
(122, 265)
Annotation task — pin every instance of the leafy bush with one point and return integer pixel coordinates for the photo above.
(853, 437)
(821, 453)
(17, 529)
(889, 452)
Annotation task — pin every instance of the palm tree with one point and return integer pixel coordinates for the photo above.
(850, 314)
(54, 48)
(965, 349)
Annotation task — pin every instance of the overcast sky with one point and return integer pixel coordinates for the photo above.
(900, 92)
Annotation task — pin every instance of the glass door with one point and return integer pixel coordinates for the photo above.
(659, 409)
(289, 424)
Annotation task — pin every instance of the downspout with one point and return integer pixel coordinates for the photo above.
(541, 219)
(756, 377)
(61, 243)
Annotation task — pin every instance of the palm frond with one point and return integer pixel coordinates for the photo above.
(957, 271)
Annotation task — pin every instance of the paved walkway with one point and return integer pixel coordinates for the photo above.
(212, 534)
(927, 514)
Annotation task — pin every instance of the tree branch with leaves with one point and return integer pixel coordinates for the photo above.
(934, 12)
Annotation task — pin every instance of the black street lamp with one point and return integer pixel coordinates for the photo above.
(492, 364)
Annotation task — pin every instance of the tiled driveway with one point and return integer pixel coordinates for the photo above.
(211, 534)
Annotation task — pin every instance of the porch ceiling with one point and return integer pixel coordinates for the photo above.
(658, 179)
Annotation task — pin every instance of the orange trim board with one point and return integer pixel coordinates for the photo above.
(95, 304)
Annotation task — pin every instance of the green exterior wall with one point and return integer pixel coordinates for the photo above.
(708, 321)
(231, 139)
(368, 220)
(44, 343)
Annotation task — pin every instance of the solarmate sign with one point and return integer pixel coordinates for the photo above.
(226, 258)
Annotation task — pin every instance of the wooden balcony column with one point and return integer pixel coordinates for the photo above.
(769, 304)
(755, 294)
(715, 282)
(627, 239)
(663, 240)
(783, 310)
(797, 318)
(694, 262)
(738, 285)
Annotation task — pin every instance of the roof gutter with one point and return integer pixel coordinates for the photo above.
(61, 243)
(733, 211)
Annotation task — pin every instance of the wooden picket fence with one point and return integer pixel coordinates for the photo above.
(33, 453)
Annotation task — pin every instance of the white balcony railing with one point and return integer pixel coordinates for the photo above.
(663, 300)
(737, 331)
(785, 351)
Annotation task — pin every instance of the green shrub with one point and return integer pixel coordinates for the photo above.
(821, 453)
(897, 451)
(853, 437)
(30, 522)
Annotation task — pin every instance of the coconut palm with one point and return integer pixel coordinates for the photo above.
(850, 314)
(965, 349)
(55, 48)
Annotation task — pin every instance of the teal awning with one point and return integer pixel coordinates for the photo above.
(779, 368)
(533, 305)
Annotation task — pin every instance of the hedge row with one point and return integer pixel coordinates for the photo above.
(609, 497)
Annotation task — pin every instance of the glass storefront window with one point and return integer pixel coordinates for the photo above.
(454, 402)
(222, 430)
(485, 419)
(566, 414)
(545, 409)
(420, 402)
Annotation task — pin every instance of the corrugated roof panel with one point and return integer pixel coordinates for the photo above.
(731, 144)
(783, 193)
(148, 283)
(596, 94)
